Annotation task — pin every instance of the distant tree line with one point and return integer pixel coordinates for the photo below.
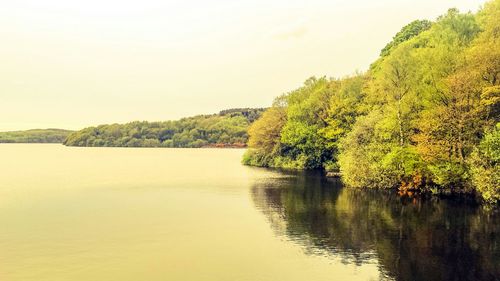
(228, 128)
(35, 136)
(424, 116)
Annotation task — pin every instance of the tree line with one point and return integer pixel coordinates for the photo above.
(228, 128)
(35, 136)
(424, 116)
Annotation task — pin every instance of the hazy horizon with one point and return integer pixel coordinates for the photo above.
(73, 65)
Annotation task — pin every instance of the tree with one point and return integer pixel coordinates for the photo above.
(485, 162)
(407, 32)
(345, 106)
(306, 117)
(265, 135)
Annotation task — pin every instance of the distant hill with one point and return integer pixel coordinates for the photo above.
(35, 136)
(227, 128)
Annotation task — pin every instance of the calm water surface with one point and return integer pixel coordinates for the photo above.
(198, 214)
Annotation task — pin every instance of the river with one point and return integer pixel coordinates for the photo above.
(74, 213)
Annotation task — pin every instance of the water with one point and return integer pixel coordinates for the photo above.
(198, 214)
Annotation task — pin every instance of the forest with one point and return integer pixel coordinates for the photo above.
(424, 116)
(35, 136)
(228, 128)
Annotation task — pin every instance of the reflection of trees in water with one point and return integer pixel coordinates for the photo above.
(412, 239)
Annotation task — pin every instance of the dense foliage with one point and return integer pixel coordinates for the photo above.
(35, 136)
(228, 128)
(422, 116)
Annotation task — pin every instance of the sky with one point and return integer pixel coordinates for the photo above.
(73, 64)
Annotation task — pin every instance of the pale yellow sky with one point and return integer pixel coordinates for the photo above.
(72, 64)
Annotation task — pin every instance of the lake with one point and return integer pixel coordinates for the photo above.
(69, 213)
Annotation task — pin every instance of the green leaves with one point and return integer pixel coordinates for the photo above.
(35, 136)
(415, 120)
(407, 32)
(229, 127)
